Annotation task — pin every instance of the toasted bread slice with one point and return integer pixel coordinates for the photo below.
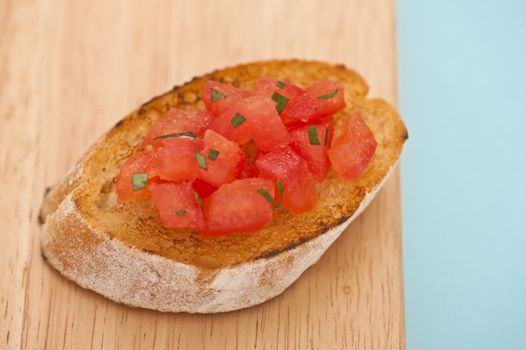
(123, 252)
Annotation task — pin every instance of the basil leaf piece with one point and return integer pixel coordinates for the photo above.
(237, 120)
(213, 154)
(313, 135)
(216, 95)
(139, 181)
(201, 160)
(281, 101)
(177, 134)
(329, 95)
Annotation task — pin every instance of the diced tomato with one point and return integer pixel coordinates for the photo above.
(223, 158)
(293, 172)
(239, 207)
(138, 163)
(179, 120)
(176, 160)
(232, 125)
(177, 205)
(267, 130)
(312, 148)
(330, 95)
(203, 188)
(353, 149)
(259, 121)
(302, 108)
(268, 86)
(222, 97)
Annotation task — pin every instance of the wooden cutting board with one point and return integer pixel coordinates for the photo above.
(70, 69)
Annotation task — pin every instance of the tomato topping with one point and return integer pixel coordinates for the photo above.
(221, 170)
(176, 159)
(330, 95)
(177, 205)
(302, 108)
(231, 124)
(137, 164)
(311, 142)
(253, 117)
(218, 96)
(222, 159)
(353, 149)
(268, 86)
(298, 183)
(179, 121)
(239, 207)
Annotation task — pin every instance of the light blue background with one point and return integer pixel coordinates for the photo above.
(462, 67)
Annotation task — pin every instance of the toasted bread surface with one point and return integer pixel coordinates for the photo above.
(137, 225)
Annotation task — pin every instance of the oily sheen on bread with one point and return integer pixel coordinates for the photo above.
(123, 252)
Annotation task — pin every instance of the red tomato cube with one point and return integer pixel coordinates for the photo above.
(177, 205)
(302, 108)
(253, 117)
(298, 183)
(137, 164)
(179, 121)
(176, 159)
(330, 95)
(218, 96)
(311, 142)
(353, 149)
(223, 159)
(239, 207)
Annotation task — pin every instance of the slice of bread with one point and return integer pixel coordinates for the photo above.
(124, 253)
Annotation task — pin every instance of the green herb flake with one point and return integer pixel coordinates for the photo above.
(198, 199)
(313, 135)
(181, 212)
(326, 139)
(237, 120)
(177, 134)
(280, 84)
(139, 181)
(281, 101)
(266, 195)
(329, 95)
(216, 95)
(201, 160)
(280, 190)
(213, 154)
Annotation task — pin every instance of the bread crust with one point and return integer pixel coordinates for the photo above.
(145, 273)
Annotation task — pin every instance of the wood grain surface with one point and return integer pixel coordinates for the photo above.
(70, 69)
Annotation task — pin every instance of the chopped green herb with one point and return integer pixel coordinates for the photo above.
(313, 135)
(198, 199)
(281, 101)
(201, 160)
(237, 120)
(329, 95)
(181, 212)
(266, 195)
(280, 84)
(177, 134)
(280, 190)
(216, 95)
(326, 139)
(213, 154)
(139, 181)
